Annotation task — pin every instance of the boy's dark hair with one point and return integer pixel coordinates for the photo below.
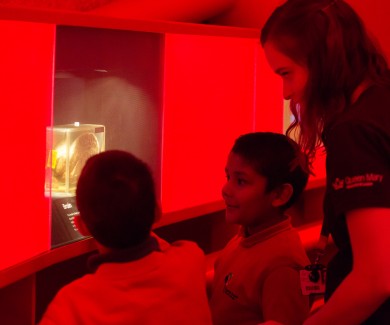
(276, 157)
(116, 199)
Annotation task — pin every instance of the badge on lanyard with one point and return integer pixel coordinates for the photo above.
(313, 278)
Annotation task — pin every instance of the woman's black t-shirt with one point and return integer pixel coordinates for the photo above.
(358, 176)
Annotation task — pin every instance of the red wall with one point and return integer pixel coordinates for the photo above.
(26, 65)
(209, 100)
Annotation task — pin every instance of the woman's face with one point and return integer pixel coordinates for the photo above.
(294, 75)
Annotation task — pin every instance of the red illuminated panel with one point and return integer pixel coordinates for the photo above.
(376, 19)
(26, 65)
(269, 99)
(208, 101)
(309, 235)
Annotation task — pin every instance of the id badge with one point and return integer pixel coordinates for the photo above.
(313, 279)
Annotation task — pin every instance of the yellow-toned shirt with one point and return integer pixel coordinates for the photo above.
(256, 279)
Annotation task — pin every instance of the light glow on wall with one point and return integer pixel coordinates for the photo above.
(26, 65)
(209, 101)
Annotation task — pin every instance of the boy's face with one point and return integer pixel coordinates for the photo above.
(247, 202)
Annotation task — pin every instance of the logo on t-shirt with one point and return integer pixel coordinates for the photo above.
(365, 180)
(227, 280)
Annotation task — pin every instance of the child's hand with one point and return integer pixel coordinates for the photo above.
(320, 247)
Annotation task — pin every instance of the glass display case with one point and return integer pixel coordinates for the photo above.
(109, 81)
(70, 147)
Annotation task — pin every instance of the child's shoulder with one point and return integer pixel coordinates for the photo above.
(184, 247)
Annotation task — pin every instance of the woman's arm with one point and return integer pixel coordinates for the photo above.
(368, 284)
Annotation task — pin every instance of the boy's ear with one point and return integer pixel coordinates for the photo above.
(282, 194)
(81, 227)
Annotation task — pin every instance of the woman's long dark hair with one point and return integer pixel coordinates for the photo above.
(329, 38)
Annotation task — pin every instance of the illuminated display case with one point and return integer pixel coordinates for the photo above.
(70, 147)
(110, 82)
(112, 78)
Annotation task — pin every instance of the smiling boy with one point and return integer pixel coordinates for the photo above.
(256, 276)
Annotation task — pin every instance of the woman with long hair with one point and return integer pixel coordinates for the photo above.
(338, 84)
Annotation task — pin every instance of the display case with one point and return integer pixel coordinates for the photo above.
(69, 147)
(112, 78)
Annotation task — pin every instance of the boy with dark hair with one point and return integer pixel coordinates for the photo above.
(256, 276)
(139, 278)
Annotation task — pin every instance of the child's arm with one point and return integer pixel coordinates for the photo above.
(210, 261)
(282, 298)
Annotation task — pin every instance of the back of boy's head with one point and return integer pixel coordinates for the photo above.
(116, 199)
(277, 158)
